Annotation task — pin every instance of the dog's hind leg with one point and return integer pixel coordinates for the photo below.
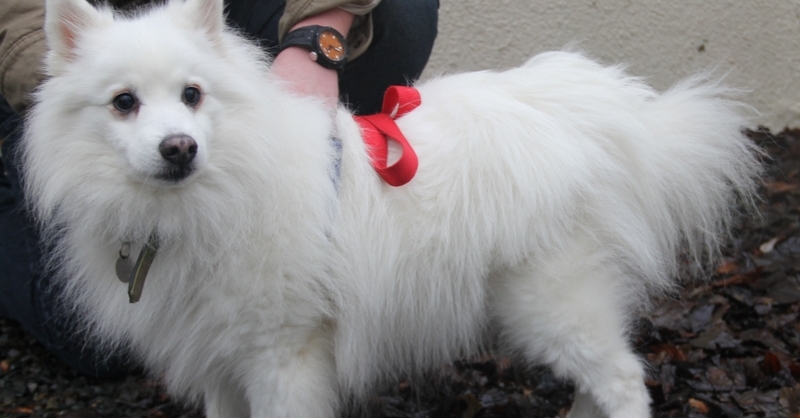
(584, 406)
(225, 399)
(571, 313)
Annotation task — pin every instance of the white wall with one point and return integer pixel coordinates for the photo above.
(757, 41)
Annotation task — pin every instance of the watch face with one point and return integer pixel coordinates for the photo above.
(331, 46)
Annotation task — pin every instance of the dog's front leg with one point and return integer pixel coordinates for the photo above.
(301, 381)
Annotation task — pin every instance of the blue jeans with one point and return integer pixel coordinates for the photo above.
(404, 31)
(27, 292)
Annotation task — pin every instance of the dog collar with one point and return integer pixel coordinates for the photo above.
(377, 129)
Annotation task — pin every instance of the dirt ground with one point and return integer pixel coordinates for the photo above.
(725, 347)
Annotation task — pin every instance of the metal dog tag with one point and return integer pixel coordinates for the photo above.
(124, 268)
(140, 269)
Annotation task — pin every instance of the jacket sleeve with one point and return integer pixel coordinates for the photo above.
(360, 35)
(22, 49)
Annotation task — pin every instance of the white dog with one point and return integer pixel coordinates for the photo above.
(550, 203)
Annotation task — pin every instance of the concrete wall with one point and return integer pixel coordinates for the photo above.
(757, 41)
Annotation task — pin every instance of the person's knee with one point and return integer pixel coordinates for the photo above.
(411, 24)
(403, 37)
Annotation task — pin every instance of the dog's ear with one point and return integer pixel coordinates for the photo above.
(207, 16)
(65, 21)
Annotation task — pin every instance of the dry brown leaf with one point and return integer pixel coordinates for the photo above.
(672, 351)
(794, 368)
(699, 405)
(790, 399)
(718, 378)
(771, 364)
(744, 278)
(4, 366)
(778, 187)
(728, 267)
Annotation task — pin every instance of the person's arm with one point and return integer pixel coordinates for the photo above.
(293, 64)
(305, 76)
(22, 48)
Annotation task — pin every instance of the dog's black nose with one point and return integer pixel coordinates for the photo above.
(178, 149)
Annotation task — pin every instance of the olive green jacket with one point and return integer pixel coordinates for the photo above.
(22, 41)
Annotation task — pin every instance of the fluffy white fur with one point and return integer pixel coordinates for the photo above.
(551, 202)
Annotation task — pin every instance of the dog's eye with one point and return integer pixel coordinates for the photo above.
(124, 102)
(191, 96)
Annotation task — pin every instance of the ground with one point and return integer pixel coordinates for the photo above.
(728, 346)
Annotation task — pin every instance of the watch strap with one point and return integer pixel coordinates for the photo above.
(307, 37)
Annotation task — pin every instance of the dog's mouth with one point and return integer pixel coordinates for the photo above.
(176, 173)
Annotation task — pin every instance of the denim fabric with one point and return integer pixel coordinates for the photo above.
(404, 31)
(403, 35)
(27, 294)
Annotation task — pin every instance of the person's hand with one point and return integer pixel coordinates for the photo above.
(305, 76)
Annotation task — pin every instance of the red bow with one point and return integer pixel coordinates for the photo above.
(377, 129)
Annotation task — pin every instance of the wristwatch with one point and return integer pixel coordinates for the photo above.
(328, 47)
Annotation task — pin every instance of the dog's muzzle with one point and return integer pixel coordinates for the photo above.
(178, 152)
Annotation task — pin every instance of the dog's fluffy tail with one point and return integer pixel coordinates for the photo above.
(698, 171)
(679, 165)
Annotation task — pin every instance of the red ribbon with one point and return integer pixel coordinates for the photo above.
(376, 130)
